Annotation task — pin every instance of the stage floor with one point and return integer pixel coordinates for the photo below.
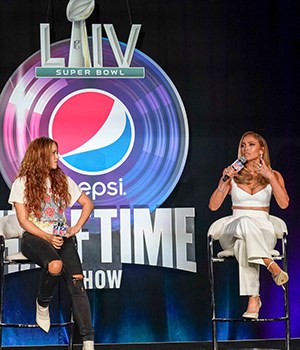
(228, 345)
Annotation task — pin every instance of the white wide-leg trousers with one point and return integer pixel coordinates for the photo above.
(251, 236)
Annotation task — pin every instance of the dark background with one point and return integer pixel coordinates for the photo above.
(235, 65)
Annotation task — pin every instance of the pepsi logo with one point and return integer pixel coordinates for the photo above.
(94, 131)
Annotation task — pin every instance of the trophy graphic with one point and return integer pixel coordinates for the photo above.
(77, 12)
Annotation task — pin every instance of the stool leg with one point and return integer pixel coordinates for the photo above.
(287, 321)
(214, 336)
(212, 290)
(2, 251)
(71, 334)
(286, 295)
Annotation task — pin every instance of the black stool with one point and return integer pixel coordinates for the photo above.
(226, 256)
(9, 228)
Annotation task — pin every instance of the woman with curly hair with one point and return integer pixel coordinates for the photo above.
(40, 195)
(248, 233)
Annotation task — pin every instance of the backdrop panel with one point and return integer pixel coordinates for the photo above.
(235, 65)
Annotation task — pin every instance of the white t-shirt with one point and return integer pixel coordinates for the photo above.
(51, 213)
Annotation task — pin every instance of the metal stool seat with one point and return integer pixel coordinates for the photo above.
(228, 255)
(10, 229)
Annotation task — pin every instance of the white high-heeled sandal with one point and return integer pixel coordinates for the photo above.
(281, 278)
(254, 311)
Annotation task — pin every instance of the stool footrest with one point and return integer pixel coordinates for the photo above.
(233, 259)
(241, 319)
(28, 325)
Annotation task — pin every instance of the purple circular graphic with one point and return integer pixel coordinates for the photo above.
(152, 114)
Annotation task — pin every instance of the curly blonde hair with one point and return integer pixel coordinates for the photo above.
(35, 167)
(244, 176)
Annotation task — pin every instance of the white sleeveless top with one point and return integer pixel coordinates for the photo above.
(240, 197)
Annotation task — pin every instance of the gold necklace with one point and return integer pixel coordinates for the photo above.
(254, 187)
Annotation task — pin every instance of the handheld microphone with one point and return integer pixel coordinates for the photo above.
(237, 166)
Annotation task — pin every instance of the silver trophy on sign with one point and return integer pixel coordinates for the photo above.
(77, 12)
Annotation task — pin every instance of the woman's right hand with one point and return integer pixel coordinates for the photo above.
(55, 241)
(230, 172)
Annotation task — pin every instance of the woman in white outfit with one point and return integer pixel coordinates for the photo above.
(248, 232)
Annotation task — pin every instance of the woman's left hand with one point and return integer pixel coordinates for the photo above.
(72, 230)
(263, 169)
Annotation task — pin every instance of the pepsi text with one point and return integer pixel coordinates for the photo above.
(99, 188)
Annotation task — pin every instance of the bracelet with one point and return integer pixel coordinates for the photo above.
(220, 189)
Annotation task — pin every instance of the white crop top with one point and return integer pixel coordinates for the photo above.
(240, 197)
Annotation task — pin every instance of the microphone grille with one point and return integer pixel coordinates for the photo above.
(243, 159)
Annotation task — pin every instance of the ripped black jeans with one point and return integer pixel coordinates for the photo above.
(42, 253)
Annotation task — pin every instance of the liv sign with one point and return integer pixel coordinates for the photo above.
(52, 67)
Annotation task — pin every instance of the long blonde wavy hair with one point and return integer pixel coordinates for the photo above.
(35, 166)
(244, 176)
